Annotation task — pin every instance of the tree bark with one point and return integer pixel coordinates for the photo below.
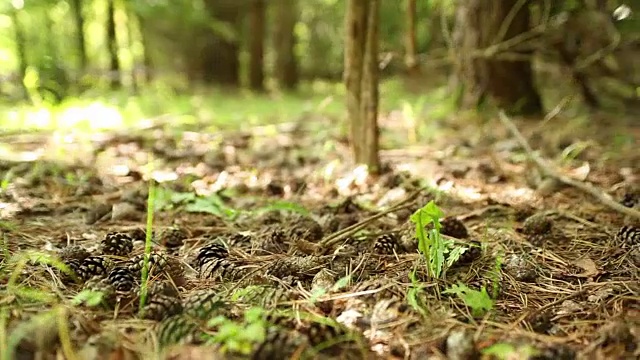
(361, 79)
(257, 30)
(147, 61)
(219, 56)
(410, 56)
(112, 44)
(509, 83)
(21, 48)
(78, 19)
(286, 67)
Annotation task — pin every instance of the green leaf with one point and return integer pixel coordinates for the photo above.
(218, 320)
(89, 297)
(341, 283)
(253, 314)
(179, 198)
(479, 301)
(432, 211)
(455, 254)
(505, 351)
(284, 206)
(255, 332)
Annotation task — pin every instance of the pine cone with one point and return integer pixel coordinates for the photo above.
(537, 225)
(73, 252)
(202, 304)
(220, 269)
(159, 264)
(94, 266)
(178, 329)
(116, 243)
(386, 244)
(122, 279)
(537, 228)
(305, 228)
(628, 236)
(239, 239)
(453, 227)
(631, 199)
(319, 333)
(173, 237)
(154, 288)
(161, 307)
(278, 344)
(473, 252)
(214, 251)
(273, 241)
(74, 268)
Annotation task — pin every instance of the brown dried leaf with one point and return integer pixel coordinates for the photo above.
(589, 266)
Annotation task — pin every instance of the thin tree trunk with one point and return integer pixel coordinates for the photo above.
(286, 65)
(410, 56)
(257, 30)
(146, 53)
(78, 19)
(508, 83)
(361, 79)
(21, 48)
(219, 60)
(112, 44)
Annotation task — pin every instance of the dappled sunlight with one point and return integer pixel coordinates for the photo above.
(77, 116)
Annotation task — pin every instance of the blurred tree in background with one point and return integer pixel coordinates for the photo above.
(508, 53)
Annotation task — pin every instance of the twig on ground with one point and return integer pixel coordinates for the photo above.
(329, 242)
(549, 170)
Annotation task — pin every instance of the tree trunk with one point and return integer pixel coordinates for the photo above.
(21, 48)
(147, 61)
(286, 67)
(218, 55)
(361, 79)
(78, 19)
(483, 75)
(112, 44)
(257, 29)
(410, 55)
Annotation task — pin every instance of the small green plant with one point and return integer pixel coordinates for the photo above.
(239, 337)
(6, 180)
(147, 244)
(479, 301)
(505, 351)
(430, 242)
(495, 276)
(89, 298)
(412, 294)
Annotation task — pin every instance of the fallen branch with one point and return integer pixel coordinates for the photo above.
(327, 243)
(548, 169)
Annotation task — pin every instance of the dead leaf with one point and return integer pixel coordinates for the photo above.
(589, 266)
(580, 173)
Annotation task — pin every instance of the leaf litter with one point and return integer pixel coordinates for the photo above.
(275, 247)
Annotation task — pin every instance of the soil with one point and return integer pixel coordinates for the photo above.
(296, 253)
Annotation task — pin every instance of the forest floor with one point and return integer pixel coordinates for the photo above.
(268, 244)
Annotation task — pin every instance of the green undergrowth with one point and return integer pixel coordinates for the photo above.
(219, 108)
